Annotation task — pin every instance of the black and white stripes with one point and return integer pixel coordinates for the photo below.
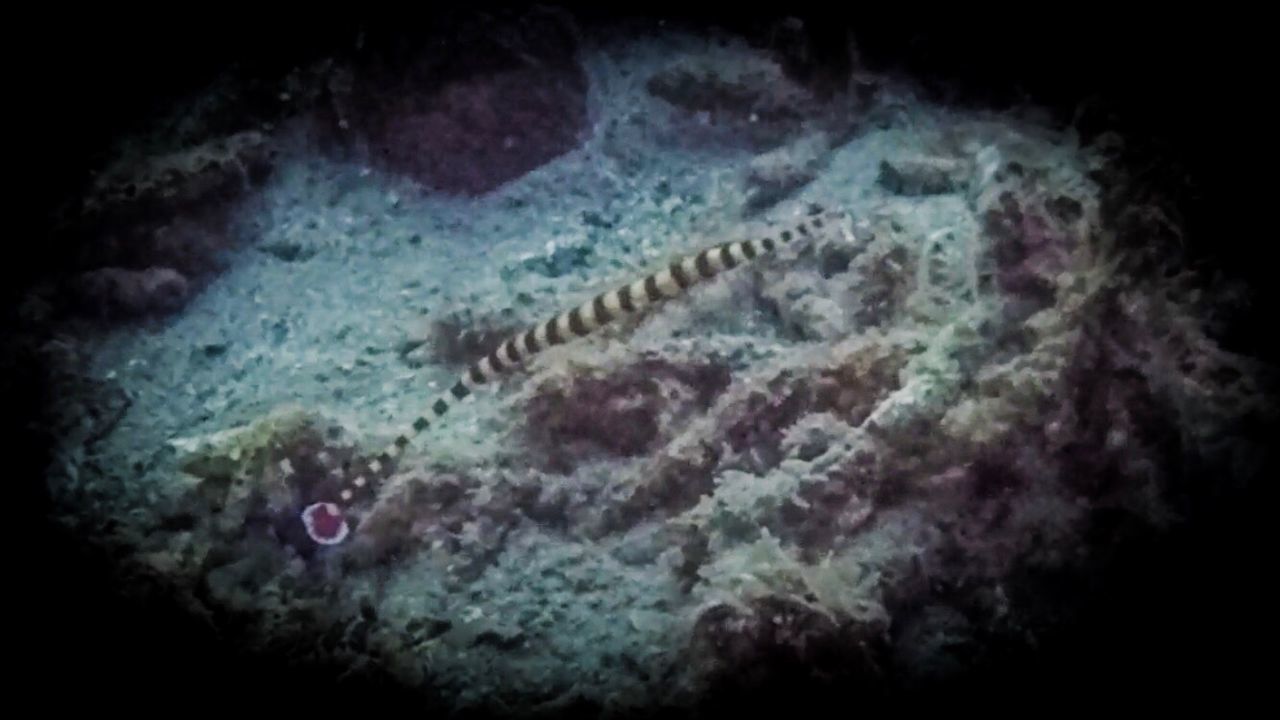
(667, 283)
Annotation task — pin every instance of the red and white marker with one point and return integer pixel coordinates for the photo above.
(325, 523)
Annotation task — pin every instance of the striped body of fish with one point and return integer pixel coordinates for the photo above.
(325, 519)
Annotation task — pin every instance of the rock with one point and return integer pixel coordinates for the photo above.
(514, 98)
(625, 413)
(218, 168)
(733, 94)
(776, 175)
(194, 244)
(557, 261)
(1031, 247)
(924, 176)
(778, 647)
(934, 644)
(480, 133)
(118, 292)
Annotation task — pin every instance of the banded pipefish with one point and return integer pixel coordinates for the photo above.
(325, 519)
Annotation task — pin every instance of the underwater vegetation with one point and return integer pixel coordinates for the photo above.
(752, 380)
